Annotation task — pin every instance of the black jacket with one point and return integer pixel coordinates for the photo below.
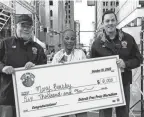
(126, 48)
(16, 52)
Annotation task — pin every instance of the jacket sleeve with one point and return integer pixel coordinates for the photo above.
(2, 52)
(135, 57)
(42, 58)
(93, 52)
(83, 55)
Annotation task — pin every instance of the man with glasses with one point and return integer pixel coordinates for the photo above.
(17, 51)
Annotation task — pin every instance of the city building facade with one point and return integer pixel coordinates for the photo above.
(69, 14)
(59, 16)
(129, 12)
(51, 10)
(50, 18)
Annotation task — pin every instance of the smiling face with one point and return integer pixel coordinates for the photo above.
(69, 39)
(109, 23)
(24, 30)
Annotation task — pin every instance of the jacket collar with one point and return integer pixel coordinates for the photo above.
(103, 38)
(25, 42)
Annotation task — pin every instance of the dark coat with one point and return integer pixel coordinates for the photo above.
(16, 52)
(125, 47)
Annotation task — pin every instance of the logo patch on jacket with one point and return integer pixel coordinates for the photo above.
(103, 46)
(124, 44)
(34, 50)
(14, 46)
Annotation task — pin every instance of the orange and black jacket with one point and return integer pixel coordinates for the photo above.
(16, 52)
(126, 48)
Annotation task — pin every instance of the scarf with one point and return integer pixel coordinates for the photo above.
(102, 35)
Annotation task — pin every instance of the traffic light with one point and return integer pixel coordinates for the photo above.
(42, 29)
(45, 29)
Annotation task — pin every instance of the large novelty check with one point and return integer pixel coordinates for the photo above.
(58, 90)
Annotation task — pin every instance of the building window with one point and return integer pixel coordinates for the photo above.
(103, 10)
(51, 2)
(111, 3)
(106, 3)
(69, 6)
(69, 1)
(66, 21)
(69, 17)
(103, 3)
(66, 3)
(51, 23)
(114, 9)
(51, 13)
(106, 9)
(69, 11)
(117, 3)
(69, 21)
(111, 9)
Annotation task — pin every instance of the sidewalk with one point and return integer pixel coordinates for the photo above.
(96, 114)
(89, 114)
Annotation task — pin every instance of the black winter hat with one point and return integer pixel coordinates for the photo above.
(25, 18)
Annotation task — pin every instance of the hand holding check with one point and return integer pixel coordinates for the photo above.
(121, 64)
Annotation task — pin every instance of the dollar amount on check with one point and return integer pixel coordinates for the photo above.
(57, 90)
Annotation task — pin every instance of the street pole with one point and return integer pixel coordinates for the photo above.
(13, 27)
(142, 39)
(95, 15)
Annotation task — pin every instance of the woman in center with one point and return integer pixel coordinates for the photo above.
(69, 54)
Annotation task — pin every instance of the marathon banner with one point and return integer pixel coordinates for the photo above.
(69, 88)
